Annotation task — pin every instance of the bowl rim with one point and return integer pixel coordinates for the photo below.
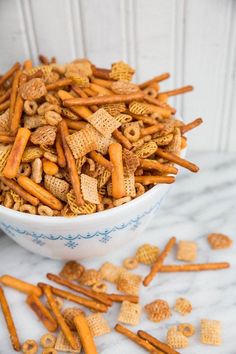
(82, 218)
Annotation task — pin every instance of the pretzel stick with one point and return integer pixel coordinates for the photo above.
(4, 105)
(101, 90)
(99, 158)
(183, 142)
(93, 305)
(155, 165)
(159, 103)
(15, 119)
(37, 74)
(152, 129)
(121, 298)
(61, 159)
(117, 175)
(75, 181)
(5, 96)
(44, 60)
(15, 156)
(156, 343)
(136, 339)
(144, 119)
(82, 94)
(157, 265)
(81, 111)
(14, 91)
(59, 84)
(6, 139)
(39, 192)
(20, 285)
(103, 99)
(146, 180)
(101, 73)
(101, 82)
(85, 334)
(193, 267)
(176, 159)
(177, 91)
(158, 78)
(89, 92)
(9, 73)
(9, 322)
(42, 313)
(122, 139)
(16, 188)
(27, 65)
(165, 112)
(75, 124)
(187, 127)
(60, 319)
(90, 293)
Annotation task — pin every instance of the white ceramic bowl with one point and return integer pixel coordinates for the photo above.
(82, 236)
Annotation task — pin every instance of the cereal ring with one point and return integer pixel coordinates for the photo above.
(130, 263)
(45, 210)
(100, 287)
(107, 203)
(52, 118)
(24, 169)
(140, 189)
(132, 132)
(187, 329)
(27, 208)
(121, 201)
(30, 107)
(48, 340)
(150, 92)
(30, 347)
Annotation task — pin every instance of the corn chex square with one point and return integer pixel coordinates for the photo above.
(98, 324)
(103, 122)
(130, 313)
(82, 142)
(89, 187)
(62, 344)
(129, 283)
(110, 272)
(187, 251)
(211, 332)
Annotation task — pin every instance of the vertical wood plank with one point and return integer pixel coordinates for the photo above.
(154, 33)
(227, 141)
(103, 31)
(14, 46)
(206, 33)
(53, 28)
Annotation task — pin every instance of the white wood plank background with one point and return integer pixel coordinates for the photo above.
(195, 40)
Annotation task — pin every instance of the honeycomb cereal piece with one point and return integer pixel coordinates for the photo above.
(147, 254)
(90, 277)
(86, 208)
(219, 241)
(176, 339)
(183, 306)
(211, 332)
(121, 71)
(187, 251)
(72, 270)
(158, 310)
(97, 324)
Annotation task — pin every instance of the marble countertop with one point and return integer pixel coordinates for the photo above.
(197, 205)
